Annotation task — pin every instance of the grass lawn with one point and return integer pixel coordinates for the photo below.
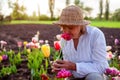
(106, 24)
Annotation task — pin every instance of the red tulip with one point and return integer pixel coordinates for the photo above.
(66, 36)
(44, 77)
(57, 45)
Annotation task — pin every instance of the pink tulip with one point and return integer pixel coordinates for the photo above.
(3, 43)
(63, 74)
(112, 72)
(108, 71)
(34, 39)
(33, 45)
(19, 44)
(41, 41)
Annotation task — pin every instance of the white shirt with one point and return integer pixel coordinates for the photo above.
(90, 55)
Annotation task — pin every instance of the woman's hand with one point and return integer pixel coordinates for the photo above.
(60, 64)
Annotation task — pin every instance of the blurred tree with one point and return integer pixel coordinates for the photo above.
(51, 8)
(78, 3)
(18, 11)
(0, 5)
(1, 15)
(86, 10)
(44, 17)
(67, 2)
(34, 16)
(116, 15)
(38, 12)
(107, 10)
(10, 4)
(101, 9)
(8, 18)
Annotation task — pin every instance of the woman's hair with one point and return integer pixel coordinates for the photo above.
(82, 30)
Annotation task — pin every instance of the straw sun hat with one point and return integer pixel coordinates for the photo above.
(72, 15)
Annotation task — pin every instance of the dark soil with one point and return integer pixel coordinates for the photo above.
(24, 32)
(14, 33)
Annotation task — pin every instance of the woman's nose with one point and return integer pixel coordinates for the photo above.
(67, 30)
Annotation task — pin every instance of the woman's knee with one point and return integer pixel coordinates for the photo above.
(94, 76)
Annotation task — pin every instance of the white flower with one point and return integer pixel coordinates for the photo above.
(58, 36)
(108, 48)
(34, 39)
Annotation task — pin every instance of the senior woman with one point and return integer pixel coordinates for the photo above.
(85, 54)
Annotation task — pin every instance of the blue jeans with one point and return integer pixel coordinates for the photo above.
(94, 76)
(90, 76)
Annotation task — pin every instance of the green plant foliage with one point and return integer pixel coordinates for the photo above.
(7, 71)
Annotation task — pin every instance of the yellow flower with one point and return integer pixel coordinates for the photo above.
(1, 58)
(28, 50)
(25, 42)
(46, 50)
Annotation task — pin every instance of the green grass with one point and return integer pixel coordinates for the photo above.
(106, 24)
(30, 22)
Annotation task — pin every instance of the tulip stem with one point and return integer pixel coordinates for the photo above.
(60, 55)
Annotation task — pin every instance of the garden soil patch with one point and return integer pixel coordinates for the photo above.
(24, 32)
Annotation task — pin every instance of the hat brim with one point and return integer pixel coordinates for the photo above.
(83, 22)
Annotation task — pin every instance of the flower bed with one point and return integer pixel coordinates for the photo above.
(17, 68)
(38, 56)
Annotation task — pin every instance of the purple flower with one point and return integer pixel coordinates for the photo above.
(108, 71)
(113, 72)
(4, 57)
(113, 79)
(64, 73)
(116, 41)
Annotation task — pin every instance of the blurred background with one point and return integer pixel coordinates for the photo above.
(39, 10)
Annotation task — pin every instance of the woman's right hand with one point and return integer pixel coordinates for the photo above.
(63, 64)
(56, 66)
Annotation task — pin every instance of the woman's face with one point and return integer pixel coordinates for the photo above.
(74, 31)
